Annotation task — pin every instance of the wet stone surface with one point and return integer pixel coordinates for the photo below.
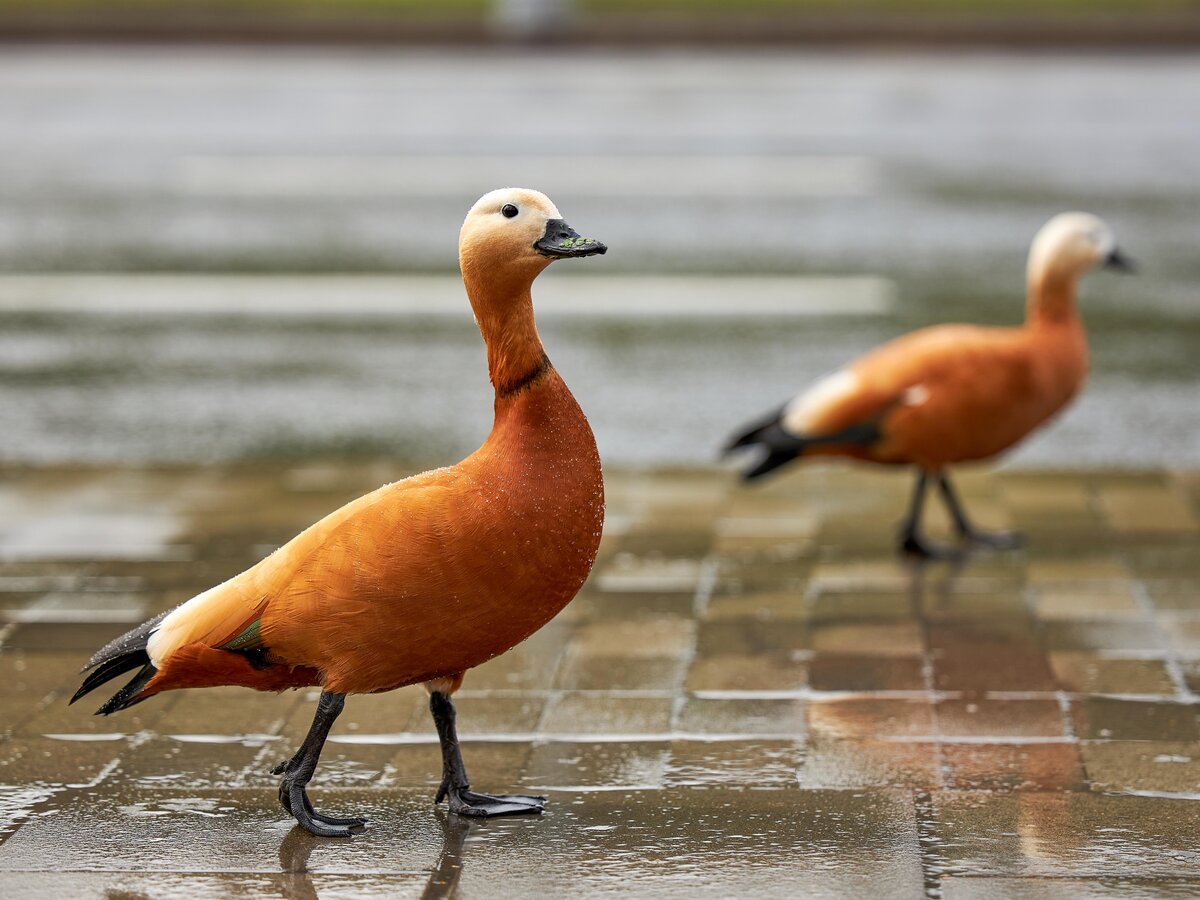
(751, 697)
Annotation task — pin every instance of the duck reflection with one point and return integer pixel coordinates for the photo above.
(297, 848)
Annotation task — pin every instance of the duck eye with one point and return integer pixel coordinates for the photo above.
(509, 211)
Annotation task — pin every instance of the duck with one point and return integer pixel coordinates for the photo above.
(423, 579)
(952, 393)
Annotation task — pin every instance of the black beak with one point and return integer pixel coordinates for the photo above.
(1119, 261)
(562, 241)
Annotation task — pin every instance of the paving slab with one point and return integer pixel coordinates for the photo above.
(751, 697)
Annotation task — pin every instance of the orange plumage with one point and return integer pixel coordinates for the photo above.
(952, 393)
(423, 579)
(430, 576)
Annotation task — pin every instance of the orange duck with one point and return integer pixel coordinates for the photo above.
(423, 579)
(952, 393)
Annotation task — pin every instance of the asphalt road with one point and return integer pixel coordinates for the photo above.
(927, 174)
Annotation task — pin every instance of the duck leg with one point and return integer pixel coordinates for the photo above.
(298, 771)
(456, 787)
(997, 540)
(912, 541)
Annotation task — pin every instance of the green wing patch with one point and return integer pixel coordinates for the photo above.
(249, 638)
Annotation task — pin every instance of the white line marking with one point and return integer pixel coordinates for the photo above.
(74, 616)
(398, 296)
(639, 176)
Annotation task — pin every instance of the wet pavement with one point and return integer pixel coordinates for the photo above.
(924, 174)
(750, 697)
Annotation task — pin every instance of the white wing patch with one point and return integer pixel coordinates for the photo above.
(169, 634)
(799, 415)
(915, 395)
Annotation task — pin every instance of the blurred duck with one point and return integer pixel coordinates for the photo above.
(423, 579)
(952, 393)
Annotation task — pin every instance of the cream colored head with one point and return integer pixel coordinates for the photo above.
(1071, 245)
(512, 234)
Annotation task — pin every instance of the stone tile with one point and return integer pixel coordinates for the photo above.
(377, 713)
(49, 761)
(747, 541)
(760, 605)
(208, 886)
(870, 718)
(1146, 508)
(1114, 599)
(595, 713)
(773, 717)
(485, 714)
(674, 540)
(845, 672)
(1034, 496)
(1000, 718)
(1191, 674)
(1012, 767)
(643, 638)
(528, 666)
(629, 606)
(356, 765)
(991, 667)
(776, 671)
(621, 673)
(870, 763)
(58, 637)
(1065, 835)
(495, 766)
(1174, 593)
(750, 764)
(59, 718)
(1086, 673)
(1116, 635)
(1066, 572)
(968, 608)
(966, 887)
(1183, 635)
(856, 607)
(1110, 717)
(627, 572)
(238, 711)
(1167, 766)
(870, 638)
(861, 576)
(1176, 559)
(559, 765)
(202, 762)
(748, 637)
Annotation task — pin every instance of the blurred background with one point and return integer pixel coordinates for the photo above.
(228, 229)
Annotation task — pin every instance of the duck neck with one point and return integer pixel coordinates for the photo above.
(504, 313)
(1051, 299)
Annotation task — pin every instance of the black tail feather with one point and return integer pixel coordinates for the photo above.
(118, 657)
(110, 670)
(127, 696)
(753, 434)
(782, 446)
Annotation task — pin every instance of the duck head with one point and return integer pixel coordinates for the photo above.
(508, 238)
(512, 234)
(1071, 245)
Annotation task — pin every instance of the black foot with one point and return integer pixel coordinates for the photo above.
(995, 540)
(466, 802)
(294, 798)
(917, 547)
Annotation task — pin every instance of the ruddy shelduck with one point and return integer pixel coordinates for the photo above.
(423, 579)
(952, 393)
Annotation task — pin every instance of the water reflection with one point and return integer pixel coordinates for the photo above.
(443, 880)
(297, 848)
(294, 853)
